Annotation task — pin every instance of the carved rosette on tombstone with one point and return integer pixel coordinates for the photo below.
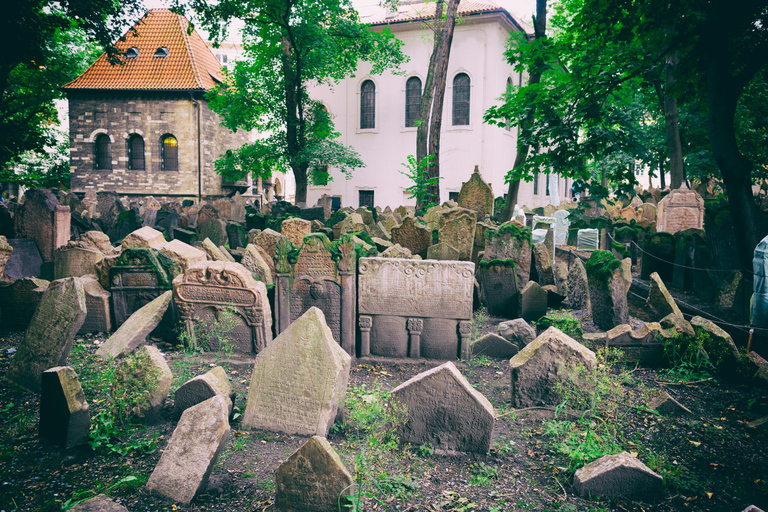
(416, 307)
(138, 278)
(213, 291)
(317, 275)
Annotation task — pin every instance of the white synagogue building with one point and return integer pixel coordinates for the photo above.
(376, 114)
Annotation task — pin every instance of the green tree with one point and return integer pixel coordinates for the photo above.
(45, 45)
(290, 44)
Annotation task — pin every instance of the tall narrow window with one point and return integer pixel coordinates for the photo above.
(461, 100)
(547, 191)
(170, 153)
(508, 126)
(536, 184)
(368, 105)
(366, 198)
(103, 153)
(136, 153)
(412, 100)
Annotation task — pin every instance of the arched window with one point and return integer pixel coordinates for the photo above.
(170, 152)
(367, 105)
(102, 158)
(461, 100)
(508, 126)
(412, 100)
(136, 152)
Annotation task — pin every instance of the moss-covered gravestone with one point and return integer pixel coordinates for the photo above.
(510, 241)
(609, 281)
(457, 229)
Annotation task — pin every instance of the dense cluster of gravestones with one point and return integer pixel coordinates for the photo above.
(311, 290)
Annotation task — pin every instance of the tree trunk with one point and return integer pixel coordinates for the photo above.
(436, 117)
(540, 32)
(293, 121)
(673, 130)
(662, 177)
(300, 175)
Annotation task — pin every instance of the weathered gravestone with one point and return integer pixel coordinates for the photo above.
(49, 337)
(183, 254)
(412, 236)
(510, 242)
(64, 416)
(136, 328)
(138, 277)
(681, 209)
(295, 230)
(609, 282)
(73, 261)
(456, 227)
(660, 302)
(493, 345)
(224, 292)
(144, 238)
(313, 479)
(533, 301)
(477, 195)
(318, 279)
(307, 402)
(542, 263)
(99, 503)
(146, 377)
(24, 261)
(256, 262)
(760, 284)
(188, 460)
(412, 308)
(550, 359)
(42, 217)
(5, 254)
(97, 299)
(444, 410)
(201, 388)
(619, 476)
(267, 239)
(499, 290)
(19, 300)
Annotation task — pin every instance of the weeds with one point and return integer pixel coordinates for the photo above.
(211, 336)
(687, 357)
(563, 321)
(482, 473)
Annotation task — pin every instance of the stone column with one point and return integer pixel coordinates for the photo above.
(282, 302)
(366, 322)
(465, 339)
(415, 327)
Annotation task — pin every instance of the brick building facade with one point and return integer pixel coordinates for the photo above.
(142, 127)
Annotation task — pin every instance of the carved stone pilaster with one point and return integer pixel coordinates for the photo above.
(365, 322)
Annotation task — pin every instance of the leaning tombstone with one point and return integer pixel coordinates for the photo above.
(499, 290)
(412, 236)
(533, 301)
(660, 302)
(619, 476)
(201, 388)
(510, 241)
(183, 254)
(71, 260)
(444, 410)
(51, 332)
(97, 300)
(578, 286)
(99, 503)
(136, 328)
(412, 308)
(318, 279)
(24, 260)
(225, 294)
(144, 238)
(313, 479)
(41, 217)
(64, 416)
(609, 282)
(188, 460)
(307, 403)
(456, 227)
(295, 230)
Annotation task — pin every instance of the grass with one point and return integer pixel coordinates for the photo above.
(482, 473)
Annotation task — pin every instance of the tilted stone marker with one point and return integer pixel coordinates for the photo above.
(313, 479)
(97, 302)
(99, 503)
(444, 410)
(136, 329)
(578, 286)
(499, 288)
(551, 358)
(660, 303)
(415, 308)
(24, 261)
(533, 301)
(609, 281)
(307, 402)
(64, 416)
(72, 260)
(493, 345)
(254, 261)
(318, 279)
(619, 476)
(49, 337)
(517, 331)
(197, 441)
(201, 388)
(144, 238)
(42, 217)
(183, 254)
(216, 291)
(296, 229)
(511, 241)
(456, 227)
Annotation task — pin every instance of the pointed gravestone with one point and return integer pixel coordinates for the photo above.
(493, 345)
(136, 328)
(444, 410)
(201, 388)
(197, 441)
(619, 476)
(533, 301)
(49, 338)
(477, 195)
(578, 286)
(548, 360)
(442, 251)
(679, 210)
(256, 264)
(313, 479)
(64, 416)
(305, 404)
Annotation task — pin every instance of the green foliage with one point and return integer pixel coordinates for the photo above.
(418, 173)
(509, 229)
(335, 218)
(482, 473)
(562, 320)
(688, 359)
(211, 336)
(289, 45)
(509, 263)
(602, 264)
(125, 483)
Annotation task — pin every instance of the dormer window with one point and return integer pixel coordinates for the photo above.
(161, 52)
(131, 53)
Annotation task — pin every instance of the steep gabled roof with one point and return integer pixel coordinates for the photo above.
(411, 11)
(190, 64)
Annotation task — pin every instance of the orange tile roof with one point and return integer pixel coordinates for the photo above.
(190, 64)
(417, 11)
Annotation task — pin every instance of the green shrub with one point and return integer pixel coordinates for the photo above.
(562, 320)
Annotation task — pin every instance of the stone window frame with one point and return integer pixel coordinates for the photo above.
(94, 137)
(367, 193)
(365, 127)
(129, 137)
(164, 157)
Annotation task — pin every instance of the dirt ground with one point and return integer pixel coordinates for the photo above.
(710, 459)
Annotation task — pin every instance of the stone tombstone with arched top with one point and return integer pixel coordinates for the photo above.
(319, 275)
(415, 308)
(224, 292)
